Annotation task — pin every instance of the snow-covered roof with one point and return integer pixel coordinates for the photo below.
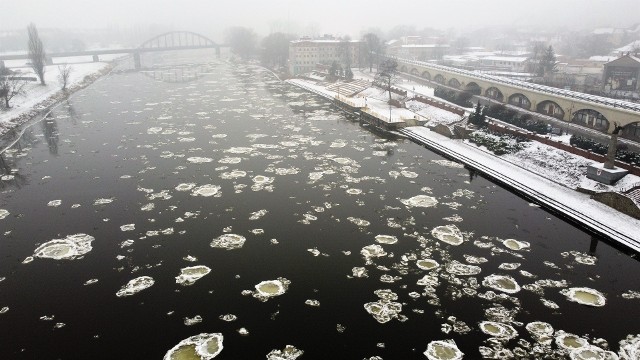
(605, 58)
(425, 46)
(603, 31)
(506, 58)
(323, 41)
(634, 45)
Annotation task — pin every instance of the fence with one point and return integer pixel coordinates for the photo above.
(439, 104)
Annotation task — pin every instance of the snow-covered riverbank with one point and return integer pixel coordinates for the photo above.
(38, 97)
(551, 175)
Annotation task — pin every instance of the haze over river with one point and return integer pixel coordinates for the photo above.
(284, 200)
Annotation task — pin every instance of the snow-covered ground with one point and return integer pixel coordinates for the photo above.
(563, 167)
(571, 203)
(38, 97)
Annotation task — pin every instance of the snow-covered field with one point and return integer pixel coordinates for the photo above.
(38, 97)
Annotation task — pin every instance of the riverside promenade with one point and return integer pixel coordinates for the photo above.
(572, 205)
(567, 203)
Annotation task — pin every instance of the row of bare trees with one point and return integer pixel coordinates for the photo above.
(12, 83)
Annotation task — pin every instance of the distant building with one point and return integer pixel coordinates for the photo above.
(632, 48)
(418, 48)
(620, 76)
(306, 54)
(505, 63)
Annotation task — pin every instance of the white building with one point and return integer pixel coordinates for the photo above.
(505, 63)
(307, 54)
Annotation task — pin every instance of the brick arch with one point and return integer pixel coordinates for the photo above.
(414, 72)
(439, 79)
(473, 88)
(631, 131)
(425, 74)
(590, 118)
(403, 69)
(494, 93)
(453, 82)
(550, 108)
(520, 100)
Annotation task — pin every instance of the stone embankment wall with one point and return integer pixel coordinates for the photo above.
(618, 202)
(439, 104)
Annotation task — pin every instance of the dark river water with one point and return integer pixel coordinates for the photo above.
(129, 162)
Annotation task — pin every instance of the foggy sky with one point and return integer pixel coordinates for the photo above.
(340, 17)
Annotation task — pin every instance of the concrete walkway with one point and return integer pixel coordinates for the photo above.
(568, 203)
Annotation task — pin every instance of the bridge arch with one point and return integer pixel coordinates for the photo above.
(590, 118)
(439, 79)
(414, 72)
(550, 108)
(178, 39)
(473, 88)
(494, 93)
(520, 100)
(453, 82)
(403, 69)
(425, 74)
(631, 131)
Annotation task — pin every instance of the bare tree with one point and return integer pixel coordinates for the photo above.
(387, 75)
(242, 41)
(37, 54)
(373, 46)
(275, 49)
(64, 72)
(10, 86)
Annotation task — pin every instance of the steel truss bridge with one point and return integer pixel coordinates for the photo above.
(170, 41)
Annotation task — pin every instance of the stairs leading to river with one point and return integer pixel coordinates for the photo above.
(349, 88)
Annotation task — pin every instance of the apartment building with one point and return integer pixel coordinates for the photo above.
(307, 54)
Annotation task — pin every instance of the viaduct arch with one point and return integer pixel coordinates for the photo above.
(592, 111)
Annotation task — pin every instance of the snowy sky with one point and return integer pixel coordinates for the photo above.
(327, 16)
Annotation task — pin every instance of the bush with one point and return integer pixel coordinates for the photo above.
(500, 145)
(622, 153)
(459, 98)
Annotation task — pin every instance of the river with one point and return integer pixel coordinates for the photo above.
(234, 171)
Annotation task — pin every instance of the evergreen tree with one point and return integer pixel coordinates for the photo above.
(348, 74)
(478, 117)
(549, 60)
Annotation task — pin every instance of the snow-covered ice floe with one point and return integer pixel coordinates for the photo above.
(198, 347)
(228, 241)
(503, 283)
(135, 286)
(585, 296)
(289, 352)
(191, 274)
(498, 330)
(71, 247)
(440, 350)
(420, 201)
(449, 234)
(271, 288)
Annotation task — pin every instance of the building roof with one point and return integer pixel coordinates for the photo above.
(602, 31)
(627, 60)
(322, 41)
(599, 58)
(505, 58)
(426, 46)
(630, 47)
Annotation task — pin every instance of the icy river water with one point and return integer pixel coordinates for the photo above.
(141, 213)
